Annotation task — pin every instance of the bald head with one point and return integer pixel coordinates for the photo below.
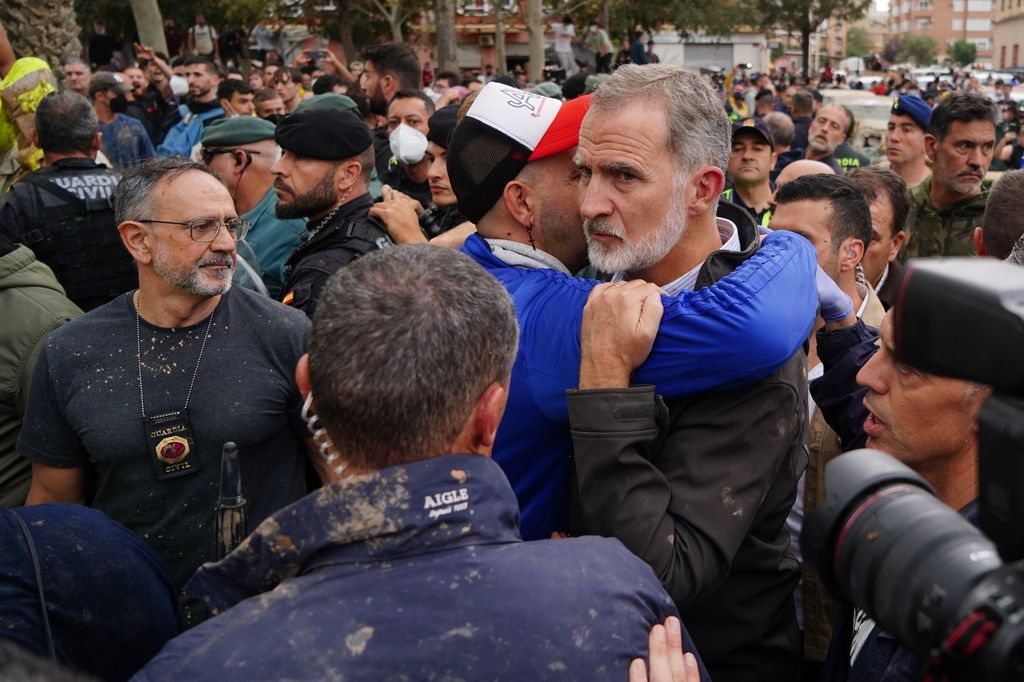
(800, 168)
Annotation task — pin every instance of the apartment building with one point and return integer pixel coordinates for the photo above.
(946, 21)
(1008, 34)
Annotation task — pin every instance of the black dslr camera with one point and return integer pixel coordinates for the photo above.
(881, 540)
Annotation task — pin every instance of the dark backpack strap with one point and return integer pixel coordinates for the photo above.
(56, 190)
(39, 584)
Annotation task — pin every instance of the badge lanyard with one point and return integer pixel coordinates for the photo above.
(169, 435)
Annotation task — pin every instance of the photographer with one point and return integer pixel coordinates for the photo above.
(926, 421)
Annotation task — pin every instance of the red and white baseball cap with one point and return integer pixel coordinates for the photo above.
(504, 129)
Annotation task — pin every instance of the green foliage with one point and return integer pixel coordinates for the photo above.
(921, 50)
(714, 18)
(802, 17)
(963, 52)
(858, 42)
(367, 26)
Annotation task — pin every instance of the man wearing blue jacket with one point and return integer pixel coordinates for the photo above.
(408, 563)
(510, 164)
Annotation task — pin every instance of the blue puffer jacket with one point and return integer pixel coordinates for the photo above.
(735, 332)
(416, 572)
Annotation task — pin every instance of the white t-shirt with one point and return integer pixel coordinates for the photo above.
(202, 39)
(564, 33)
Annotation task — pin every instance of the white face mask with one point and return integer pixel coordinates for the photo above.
(179, 86)
(408, 145)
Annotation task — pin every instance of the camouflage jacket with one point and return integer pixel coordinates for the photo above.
(946, 232)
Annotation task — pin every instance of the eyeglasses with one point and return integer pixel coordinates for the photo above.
(207, 229)
(207, 154)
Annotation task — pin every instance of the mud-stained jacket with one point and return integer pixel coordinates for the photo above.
(945, 232)
(415, 572)
(700, 488)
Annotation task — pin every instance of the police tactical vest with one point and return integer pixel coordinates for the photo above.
(320, 257)
(72, 229)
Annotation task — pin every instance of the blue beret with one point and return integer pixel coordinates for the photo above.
(914, 107)
(328, 134)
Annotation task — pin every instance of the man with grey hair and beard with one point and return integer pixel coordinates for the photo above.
(131, 404)
(510, 163)
(699, 490)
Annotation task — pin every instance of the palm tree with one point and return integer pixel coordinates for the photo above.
(42, 28)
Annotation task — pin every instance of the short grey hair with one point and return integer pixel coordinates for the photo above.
(66, 123)
(699, 133)
(75, 61)
(135, 194)
(782, 128)
(404, 342)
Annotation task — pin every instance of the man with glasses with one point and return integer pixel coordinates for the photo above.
(130, 407)
(324, 175)
(241, 151)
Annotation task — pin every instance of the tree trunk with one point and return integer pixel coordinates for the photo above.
(499, 39)
(149, 24)
(805, 45)
(47, 29)
(395, 19)
(447, 55)
(535, 26)
(348, 43)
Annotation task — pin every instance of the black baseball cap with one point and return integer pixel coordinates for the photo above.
(756, 125)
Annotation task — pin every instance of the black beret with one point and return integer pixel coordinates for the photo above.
(441, 125)
(327, 134)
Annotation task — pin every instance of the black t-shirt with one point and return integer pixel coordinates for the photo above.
(84, 411)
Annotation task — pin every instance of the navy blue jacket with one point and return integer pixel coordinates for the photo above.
(415, 572)
(110, 599)
(836, 393)
(703, 344)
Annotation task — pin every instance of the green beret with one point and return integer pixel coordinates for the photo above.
(327, 100)
(548, 89)
(593, 82)
(230, 132)
(326, 134)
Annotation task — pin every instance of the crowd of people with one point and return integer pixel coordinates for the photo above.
(460, 379)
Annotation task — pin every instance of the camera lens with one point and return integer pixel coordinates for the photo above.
(911, 560)
(885, 543)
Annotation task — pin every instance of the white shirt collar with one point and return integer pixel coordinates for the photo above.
(881, 281)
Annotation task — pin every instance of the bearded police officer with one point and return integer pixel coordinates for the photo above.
(131, 404)
(63, 211)
(324, 175)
